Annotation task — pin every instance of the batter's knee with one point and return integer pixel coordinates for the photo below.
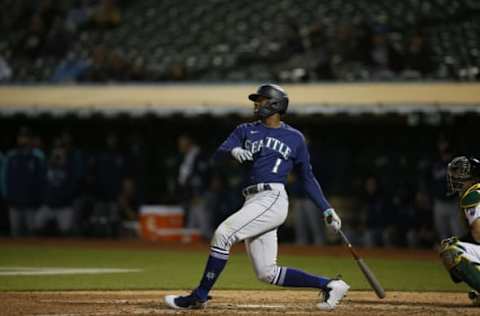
(221, 238)
(267, 274)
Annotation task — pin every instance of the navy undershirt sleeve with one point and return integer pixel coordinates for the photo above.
(235, 139)
(310, 183)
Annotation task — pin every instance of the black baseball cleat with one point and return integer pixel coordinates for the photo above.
(191, 301)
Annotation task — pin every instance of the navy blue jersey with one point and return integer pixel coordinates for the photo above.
(276, 151)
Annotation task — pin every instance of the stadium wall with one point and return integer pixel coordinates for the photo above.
(220, 99)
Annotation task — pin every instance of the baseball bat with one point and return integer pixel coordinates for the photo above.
(377, 287)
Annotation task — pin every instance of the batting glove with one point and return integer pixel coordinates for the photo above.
(241, 155)
(332, 220)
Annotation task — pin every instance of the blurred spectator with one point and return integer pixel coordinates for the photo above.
(98, 65)
(58, 195)
(75, 156)
(417, 60)
(84, 205)
(292, 37)
(191, 183)
(445, 209)
(406, 219)
(128, 208)
(57, 40)
(137, 164)
(31, 44)
(379, 217)
(217, 201)
(424, 230)
(49, 11)
(107, 14)
(78, 15)
(2, 162)
(338, 50)
(177, 72)
(110, 165)
(118, 68)
(127, 201)
(5, 70)
(110, 170)
(307, 220)
(4, 221)
(138, 70)
(317, 37)
(344, 51)
(77, 165)
(71, 69)
(234, 180)
(319, 47)
(383, 60)
(108, 65)
(24, 173)
(38, 144)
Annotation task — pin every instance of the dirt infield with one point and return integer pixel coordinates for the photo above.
(226, 303)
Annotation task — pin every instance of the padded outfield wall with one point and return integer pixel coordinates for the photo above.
(194, 99)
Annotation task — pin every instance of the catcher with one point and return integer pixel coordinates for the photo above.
(461, 256)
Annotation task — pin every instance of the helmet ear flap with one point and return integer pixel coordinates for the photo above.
(284, 105)
(281, 105)
(277, 106)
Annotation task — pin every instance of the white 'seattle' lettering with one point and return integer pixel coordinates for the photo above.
(268, 142)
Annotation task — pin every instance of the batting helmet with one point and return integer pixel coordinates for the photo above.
(277, 99)
(462, 169)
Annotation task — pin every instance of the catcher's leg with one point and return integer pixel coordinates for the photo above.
(460, 263)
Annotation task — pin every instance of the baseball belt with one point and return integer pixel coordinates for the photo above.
(256, 188)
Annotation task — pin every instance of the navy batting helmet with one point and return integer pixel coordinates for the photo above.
(277, 99)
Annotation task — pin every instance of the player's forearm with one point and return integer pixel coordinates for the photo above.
(315, 192)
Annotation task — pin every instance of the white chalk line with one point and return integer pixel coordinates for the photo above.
(18, 271)
(254, 306)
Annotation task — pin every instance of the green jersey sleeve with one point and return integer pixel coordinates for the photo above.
(471, 199)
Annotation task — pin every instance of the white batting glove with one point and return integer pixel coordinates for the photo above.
(241, 155)
(332, 220)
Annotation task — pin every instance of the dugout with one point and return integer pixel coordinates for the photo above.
(356, 130)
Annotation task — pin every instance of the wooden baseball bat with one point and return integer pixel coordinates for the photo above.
(377, 287)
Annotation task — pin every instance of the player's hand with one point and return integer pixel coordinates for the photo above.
(448, 242)
(332, 220)
(241, 155)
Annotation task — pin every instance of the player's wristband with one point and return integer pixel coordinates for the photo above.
(329, 212)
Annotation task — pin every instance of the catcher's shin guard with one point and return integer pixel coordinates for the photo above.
(459, 267)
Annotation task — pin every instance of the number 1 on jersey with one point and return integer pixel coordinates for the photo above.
(277, 164)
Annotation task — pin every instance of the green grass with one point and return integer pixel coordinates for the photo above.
(167, 269)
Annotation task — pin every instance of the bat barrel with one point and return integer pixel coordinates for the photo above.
(372, 280)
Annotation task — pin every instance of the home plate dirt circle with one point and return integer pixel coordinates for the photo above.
(231, 302)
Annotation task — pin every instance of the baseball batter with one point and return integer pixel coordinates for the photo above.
(461, 256)
(271, 149)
